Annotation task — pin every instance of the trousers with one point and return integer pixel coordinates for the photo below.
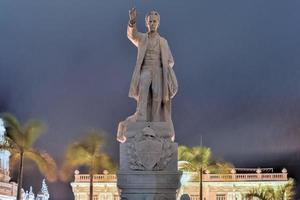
(150, 94)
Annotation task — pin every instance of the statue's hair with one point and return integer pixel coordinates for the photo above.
(153, 12)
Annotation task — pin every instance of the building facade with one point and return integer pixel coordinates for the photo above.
(105, 186)
(232, 186)
(8, 190)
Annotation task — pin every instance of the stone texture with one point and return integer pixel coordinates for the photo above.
(148, 155)
(162, 129)
(148, 163)
(148, 147)
(148, 185)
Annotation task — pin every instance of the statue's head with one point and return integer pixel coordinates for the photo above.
(152, 20)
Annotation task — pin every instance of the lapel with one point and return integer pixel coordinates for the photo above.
(142, 49)
(163, 51)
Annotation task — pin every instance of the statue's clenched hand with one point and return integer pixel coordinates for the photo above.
(132, 16)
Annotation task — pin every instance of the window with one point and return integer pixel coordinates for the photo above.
(95, 197)
(221, 197)
(106, 196)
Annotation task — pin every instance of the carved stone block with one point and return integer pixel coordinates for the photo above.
(148, 185)
(148, 147)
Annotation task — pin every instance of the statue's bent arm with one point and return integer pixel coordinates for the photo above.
(133, 35)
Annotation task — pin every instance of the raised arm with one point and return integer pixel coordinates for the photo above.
(132, 33)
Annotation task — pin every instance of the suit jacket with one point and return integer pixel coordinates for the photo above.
(140, 40)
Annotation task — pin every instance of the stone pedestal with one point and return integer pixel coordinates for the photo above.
(148, 162)
(148, 185)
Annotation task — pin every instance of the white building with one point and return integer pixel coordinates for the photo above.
(232, 186)
(8, 190)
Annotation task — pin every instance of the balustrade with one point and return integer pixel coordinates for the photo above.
(195, 177)
(239, 177)
(96, 178)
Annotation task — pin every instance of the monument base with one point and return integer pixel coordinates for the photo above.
(148, 185)
(148, 162)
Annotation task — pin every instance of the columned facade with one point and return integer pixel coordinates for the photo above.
(105, 186)
(232, 186)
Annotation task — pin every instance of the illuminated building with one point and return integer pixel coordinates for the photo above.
(232, 186)
(105, 186)
(8, 190)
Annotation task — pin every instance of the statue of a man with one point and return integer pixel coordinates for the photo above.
(153, 81)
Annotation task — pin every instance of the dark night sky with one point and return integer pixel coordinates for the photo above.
(69, 63)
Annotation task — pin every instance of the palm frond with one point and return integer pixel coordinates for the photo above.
(78, 154)
(186, 166)
(32, 131)
(13, 160)
(270, 193)
(86, 152)
(66, 172)
(93, 142)
(17, 138)
(258, 193)
(103, 161)
(10, 121)
(44, 161)
(10, 145)
(13, 129)
(287, 191)
(219, 167)
(202, 155)
(181, 151)
(199, 157)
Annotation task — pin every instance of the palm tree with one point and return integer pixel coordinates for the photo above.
(262, 193)
(285, 192)
(20, 140)
(199, 159)
(86, 152)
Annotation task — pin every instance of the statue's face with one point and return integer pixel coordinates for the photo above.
(152, 23)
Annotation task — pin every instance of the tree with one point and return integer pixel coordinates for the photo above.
(20, 140)
(285, 192)
(262, 193)
(199, 159)
(86, 152)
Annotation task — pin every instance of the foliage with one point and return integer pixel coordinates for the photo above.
(86, 152)
(285, 192)
(198, 158)
(20, 140)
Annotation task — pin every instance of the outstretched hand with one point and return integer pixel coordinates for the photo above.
(132, 15)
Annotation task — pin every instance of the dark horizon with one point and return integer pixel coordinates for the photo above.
(69, 64)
